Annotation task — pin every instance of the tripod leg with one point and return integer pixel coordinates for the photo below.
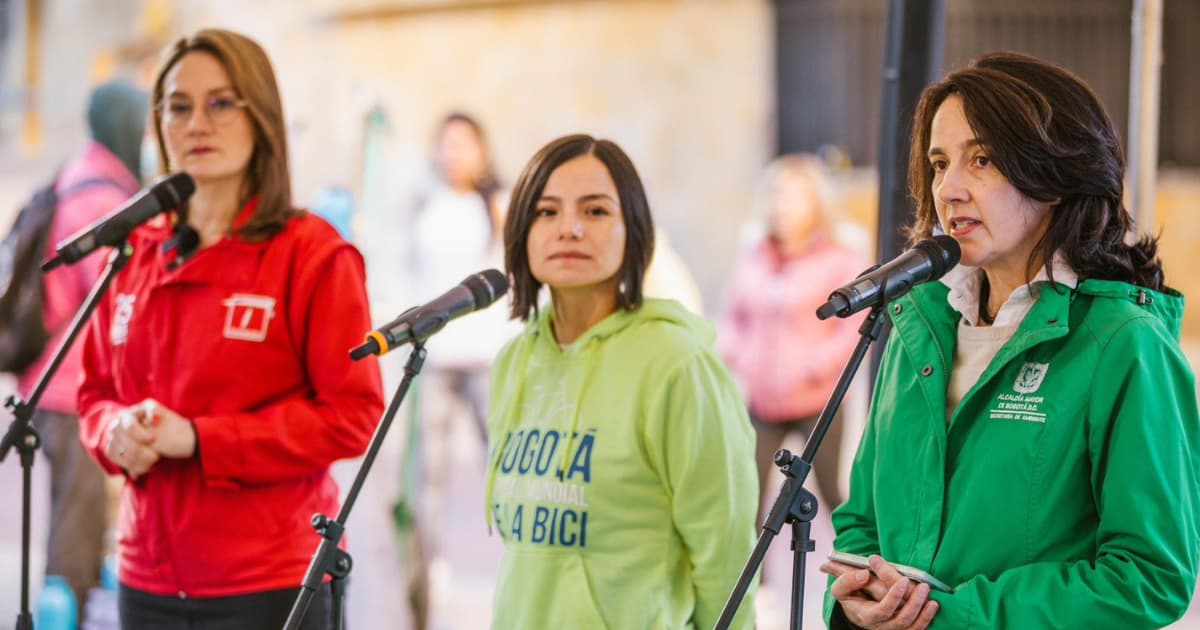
(801, 545)
(338, 586)
(25, 617)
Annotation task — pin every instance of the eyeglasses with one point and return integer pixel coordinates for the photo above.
(220, 111)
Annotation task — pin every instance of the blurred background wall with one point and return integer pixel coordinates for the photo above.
(684, 87)
(702, 93)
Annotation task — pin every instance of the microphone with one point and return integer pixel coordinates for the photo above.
(475, 293)
(928, 260)
(183, 243)
(168, 193)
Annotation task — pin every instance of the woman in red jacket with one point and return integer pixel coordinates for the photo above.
(217, 380)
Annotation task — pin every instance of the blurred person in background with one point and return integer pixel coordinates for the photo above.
(786, 360)
(620, 477)
(216, 378)
(1034, 440)
(95, 181)
(455, 233)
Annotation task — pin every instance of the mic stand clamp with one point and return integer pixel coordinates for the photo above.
(329, 558)
(795, 504)
(21, 434)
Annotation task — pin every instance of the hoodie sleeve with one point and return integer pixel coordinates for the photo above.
(700, 439)
(1144, 436)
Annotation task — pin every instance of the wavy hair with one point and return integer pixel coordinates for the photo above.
(1048, 134)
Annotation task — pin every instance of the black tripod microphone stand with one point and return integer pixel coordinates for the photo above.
(796, 505)
(328, 558)
(21, 433)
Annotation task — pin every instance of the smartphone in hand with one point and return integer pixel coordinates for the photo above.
(916, 575)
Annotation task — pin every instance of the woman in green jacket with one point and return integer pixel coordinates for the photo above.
(622, 474)
(1034, 431)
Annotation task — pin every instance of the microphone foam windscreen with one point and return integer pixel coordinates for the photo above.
(944, 252)
(486, 286)
(174, 189)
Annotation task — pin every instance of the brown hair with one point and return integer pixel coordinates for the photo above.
(635, 210)
(1048, 134)
(486, 185)
(249, 69)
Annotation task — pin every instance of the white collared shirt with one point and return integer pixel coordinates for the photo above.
(978, 345)
(965, 282)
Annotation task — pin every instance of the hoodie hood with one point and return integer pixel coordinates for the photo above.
(116, 115)
(652, 310)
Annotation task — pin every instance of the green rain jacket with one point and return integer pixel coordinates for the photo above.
(1065, 492)
(622, 476)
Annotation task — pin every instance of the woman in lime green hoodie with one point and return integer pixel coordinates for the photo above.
(622, 474)
(1034, 440)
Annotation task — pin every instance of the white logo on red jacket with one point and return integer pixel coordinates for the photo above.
(247, 316)
(119, 332)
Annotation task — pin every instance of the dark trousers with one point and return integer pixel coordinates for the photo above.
(770, 436)
(257, 611)
(78, 515)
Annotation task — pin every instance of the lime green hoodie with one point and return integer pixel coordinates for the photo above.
(622, 476)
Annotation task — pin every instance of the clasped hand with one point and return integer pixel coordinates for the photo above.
(142, 434)
(880, 598)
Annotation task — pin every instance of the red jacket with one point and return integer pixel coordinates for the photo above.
(249, 341)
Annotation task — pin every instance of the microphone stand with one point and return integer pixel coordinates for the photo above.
(328, 558)
(796, 505)
(21, 433)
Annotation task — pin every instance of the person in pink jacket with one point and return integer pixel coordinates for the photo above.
(787, 360)
(218, 381)
(95, 181)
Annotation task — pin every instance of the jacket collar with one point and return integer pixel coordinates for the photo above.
(965, 284)
(926, 312)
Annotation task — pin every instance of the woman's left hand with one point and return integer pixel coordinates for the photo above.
(175, 436)
(881, 598)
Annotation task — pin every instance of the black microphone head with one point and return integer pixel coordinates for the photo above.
(189, 239)
(943, 251)
(486, 286)
(173, 189)
(183, 243)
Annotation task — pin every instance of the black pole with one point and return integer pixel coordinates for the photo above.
(912, 60)
(796, 505)
(328, 558)
(21, 434)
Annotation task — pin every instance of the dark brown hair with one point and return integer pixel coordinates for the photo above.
(1048, 134)
(486, 185)
(253, 79)
(635, 210)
